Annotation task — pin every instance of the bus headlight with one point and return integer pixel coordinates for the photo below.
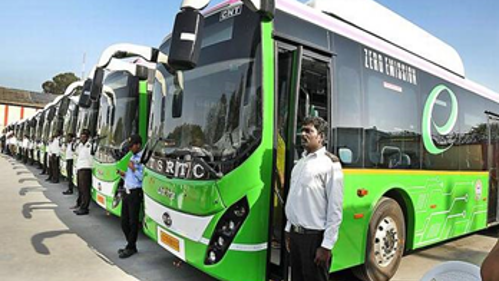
(225, 231)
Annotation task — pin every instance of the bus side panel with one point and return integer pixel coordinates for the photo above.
(446, 205)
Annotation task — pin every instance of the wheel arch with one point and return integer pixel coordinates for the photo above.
(407, 206)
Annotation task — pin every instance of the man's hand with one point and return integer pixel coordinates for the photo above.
(121, 173)
(322, 256)
(131, 165)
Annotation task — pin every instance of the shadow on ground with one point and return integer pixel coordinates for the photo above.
(103, 235)
(25, 190)
(38, 239)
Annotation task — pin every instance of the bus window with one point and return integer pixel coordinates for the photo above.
(393, 128)
(313, 97)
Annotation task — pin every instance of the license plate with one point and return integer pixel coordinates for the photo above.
(172, 243)
(101, 200)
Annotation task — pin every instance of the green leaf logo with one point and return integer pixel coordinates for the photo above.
(428, 123)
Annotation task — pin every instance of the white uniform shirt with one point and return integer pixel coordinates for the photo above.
(69, 151)
(84, 160)
(55, 147)
(25, 143)
(315, 199)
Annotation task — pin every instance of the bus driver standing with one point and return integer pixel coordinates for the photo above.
(314, 205)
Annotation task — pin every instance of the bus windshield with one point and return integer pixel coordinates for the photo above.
(39, 127)
(118, 114)
(214, 111)
(86, 119)
(70, 118)
(46, 126)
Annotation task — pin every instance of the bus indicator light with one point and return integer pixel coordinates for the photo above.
(362, 192)
(358, 216)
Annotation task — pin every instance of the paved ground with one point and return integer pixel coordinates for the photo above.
(41, 239)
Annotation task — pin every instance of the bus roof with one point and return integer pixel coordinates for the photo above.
(349, 30)
(380, 21)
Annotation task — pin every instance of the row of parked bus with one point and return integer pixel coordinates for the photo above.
(220, 102)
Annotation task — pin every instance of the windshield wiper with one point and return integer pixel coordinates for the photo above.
(197, 154)
(148, 151)
(210, 169)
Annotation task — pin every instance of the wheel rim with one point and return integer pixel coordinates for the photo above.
(386, 242)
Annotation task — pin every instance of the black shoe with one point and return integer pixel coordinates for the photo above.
(55, 181)
(81, 212)
(120, 251)
(75, 208)
(127, 253)
(68, 192)
(48, 179)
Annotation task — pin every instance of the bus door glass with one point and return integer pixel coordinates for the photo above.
(493, 167)
(302, 87)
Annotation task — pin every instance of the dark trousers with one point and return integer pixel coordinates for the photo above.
(69, 172)
(84, 185)
(30, 156)
(25, 155)
(55, 167)
(303, 248)
(130, 211)
(45, 170)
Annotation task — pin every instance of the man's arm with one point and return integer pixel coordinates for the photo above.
(334, 214)
(138, 171)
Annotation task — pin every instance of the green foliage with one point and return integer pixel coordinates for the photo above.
(59, 83)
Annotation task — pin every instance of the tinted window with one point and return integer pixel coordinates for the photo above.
(347, 119)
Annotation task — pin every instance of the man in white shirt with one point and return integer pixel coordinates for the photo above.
(48, 163)
(55, 149)
(314, 205)
(69, 163)
(84, 173)
(25, 149)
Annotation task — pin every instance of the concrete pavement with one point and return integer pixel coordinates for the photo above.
(41, 239)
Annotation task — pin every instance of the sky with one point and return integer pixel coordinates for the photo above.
(39, 39)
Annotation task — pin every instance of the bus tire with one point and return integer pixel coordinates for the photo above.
(385, 242)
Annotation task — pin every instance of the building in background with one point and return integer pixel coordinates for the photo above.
(19, 104)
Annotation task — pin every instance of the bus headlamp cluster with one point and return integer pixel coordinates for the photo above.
(225, 231)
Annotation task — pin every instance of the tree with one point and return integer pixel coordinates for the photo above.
(59, 83)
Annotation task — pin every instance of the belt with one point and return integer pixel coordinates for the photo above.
(302, 230)
(128, 191)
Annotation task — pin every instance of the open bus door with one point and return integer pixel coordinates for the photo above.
(302, 89)
(493, 166)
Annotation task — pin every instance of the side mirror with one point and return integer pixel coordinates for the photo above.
(63, 107)
(84, 100)
(186, 39)
(264, 7)
(51, 114)
(346, 155)
(96, 88)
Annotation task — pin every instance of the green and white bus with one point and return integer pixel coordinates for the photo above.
(124, 99)
(419, 142)
(38, 136)
(65, 121)
(48, 117)
(86, 118)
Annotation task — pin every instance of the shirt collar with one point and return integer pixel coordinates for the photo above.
(317, 153)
